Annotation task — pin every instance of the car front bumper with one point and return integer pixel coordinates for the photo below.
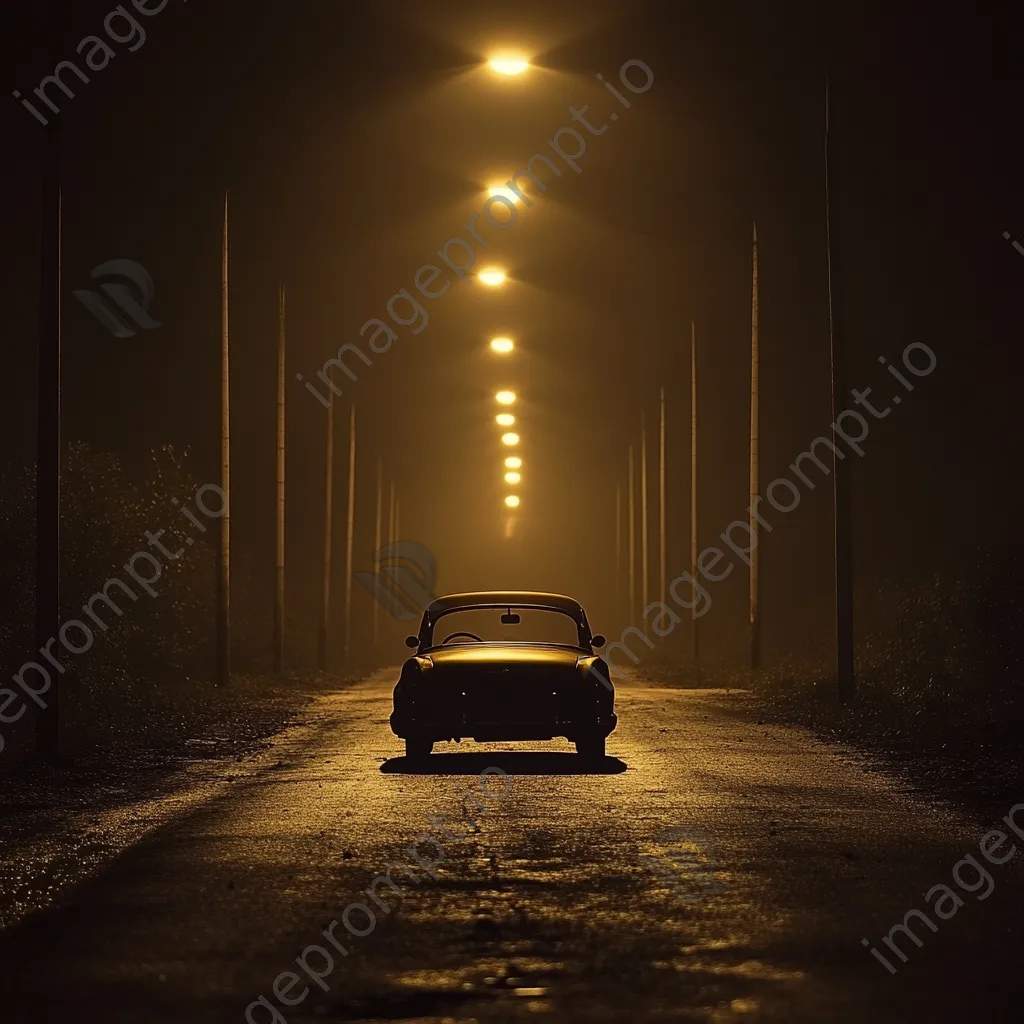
(405, 725)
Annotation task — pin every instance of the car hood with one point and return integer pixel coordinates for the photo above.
(512, 655)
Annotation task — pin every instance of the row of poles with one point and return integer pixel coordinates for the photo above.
(631, 510)
(223, 595)
(635, 612)
(48, 470)
(842, 546)
(49, 437)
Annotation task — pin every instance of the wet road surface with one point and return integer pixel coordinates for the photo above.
(710, 869)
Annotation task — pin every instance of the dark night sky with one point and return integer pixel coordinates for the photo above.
(356, 137)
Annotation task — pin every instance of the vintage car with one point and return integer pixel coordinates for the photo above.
(509, 687)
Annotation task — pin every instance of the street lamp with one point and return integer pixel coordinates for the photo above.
(503, 191)
(513, 462)
(508, 65)
(510, 440)
(502, 345)
(512, 478)
(505, 419)
(505, 397)
(492, 277)
(512, 501)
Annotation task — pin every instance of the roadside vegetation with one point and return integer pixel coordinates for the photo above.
(146, 682)
(939, 679)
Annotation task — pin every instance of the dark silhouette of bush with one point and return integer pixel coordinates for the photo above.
(938, 661)
(105, 515)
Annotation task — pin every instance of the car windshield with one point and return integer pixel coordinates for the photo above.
(535, 626)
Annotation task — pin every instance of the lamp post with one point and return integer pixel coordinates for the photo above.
(694, 638)
(323, 657)
(845, 679)
(224, 539)
(48, 409)
(350, 531)
(279, 502)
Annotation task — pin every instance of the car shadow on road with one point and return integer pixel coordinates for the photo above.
(511, 763)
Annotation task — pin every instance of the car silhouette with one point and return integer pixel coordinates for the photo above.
(504, 689)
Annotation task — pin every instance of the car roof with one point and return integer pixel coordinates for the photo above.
(504, 599)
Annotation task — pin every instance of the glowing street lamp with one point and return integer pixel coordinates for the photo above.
(510, 440)
(504, 419)
(512, 501)
(505, 397)
(513, 462)
(512, 478)
(501, 190)
(492, 277)
(502, 345)
(508, 65)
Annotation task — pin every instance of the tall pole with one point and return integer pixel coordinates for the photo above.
(661, 501)
(224, 545)
(350, 530)
(694, 645)
(323, 657)
(632, 536)
(378, 526)
(279, 503)
(845, 679)
(618, 551)
(755, 466)
(643, 514)
(398, 525)
(48, 409)
(391, 515)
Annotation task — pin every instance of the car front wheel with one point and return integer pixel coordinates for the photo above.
(590, 746)
(416, 748)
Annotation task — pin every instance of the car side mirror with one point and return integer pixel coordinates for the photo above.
(412, 641)
(598, 641)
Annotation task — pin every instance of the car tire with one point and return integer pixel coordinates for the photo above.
(591, 747)
(417, 748)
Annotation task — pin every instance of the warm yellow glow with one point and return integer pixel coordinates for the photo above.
(512, 478)
(501, 345)
(506, 397)
(513, 462)
(508, 65)
(510, 440)
(505, 419)
(501, 190)
(512, 501)
(492, 277)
